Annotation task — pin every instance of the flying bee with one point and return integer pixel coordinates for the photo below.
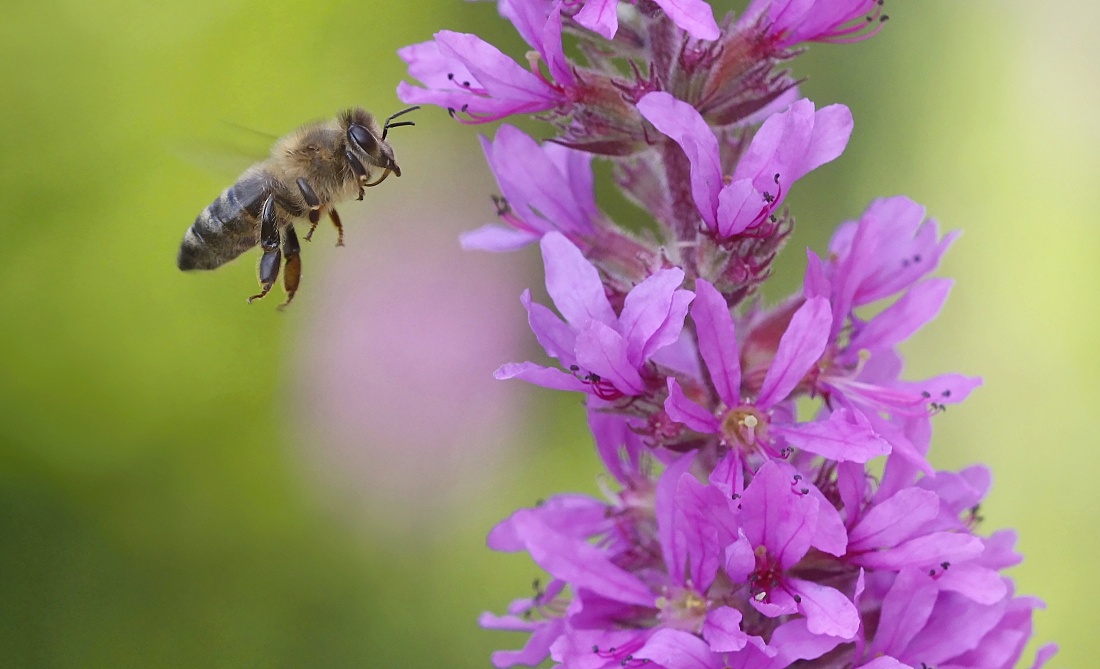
(309, 171)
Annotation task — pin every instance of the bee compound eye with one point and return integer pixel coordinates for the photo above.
(362, 138)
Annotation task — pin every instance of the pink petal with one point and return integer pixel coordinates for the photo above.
(893, 521)
(901, 319)
(602, 350)
(827, 610)
(673, 649)
(540, 376)
(832, 127)
(693, 16)
(573, 283)
(717, 341)
(682, 410)
(930, 549)
(555, 336)
(649, 312)
(740, 559)
(683, 124)
(905, 610)
(495, 238)
(799, 350)
(535, 650)
(673, 540)
(841, 437)
(600, 16)
(973, 581)
(579, 563)
(795, 641)
(739, 205)
(575, 516)
(722, 630)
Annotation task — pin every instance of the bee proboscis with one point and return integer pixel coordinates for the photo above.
(308, 172)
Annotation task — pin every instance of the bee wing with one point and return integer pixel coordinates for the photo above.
(229, 152)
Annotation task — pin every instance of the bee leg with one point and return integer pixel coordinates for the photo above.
(292, 271)
(339, 226)
(314, 203)
(360, 171)
(269, 241)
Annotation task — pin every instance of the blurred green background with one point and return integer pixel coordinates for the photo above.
(187, 481)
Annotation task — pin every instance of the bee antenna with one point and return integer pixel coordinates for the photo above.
(389, 121)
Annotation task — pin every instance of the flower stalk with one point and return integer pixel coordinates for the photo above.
(772, 502)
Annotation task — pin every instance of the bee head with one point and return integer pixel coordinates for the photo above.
(368, 141)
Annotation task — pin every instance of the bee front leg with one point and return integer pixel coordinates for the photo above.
(314, 204)
(335, 218)
(292, 272)
(360, 171)
(269, 241)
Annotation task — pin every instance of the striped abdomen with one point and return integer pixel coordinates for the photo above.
(227, 228)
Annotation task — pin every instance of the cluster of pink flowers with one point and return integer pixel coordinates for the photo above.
(773, 503)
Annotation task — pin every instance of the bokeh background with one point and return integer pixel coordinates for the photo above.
(187, 481)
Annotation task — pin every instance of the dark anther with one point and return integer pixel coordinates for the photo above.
(945, 565)
(797, 599)
(501, 204)
(884, 18)
(798, 477)
(451, 111)
(574, 368)
(804, 491)
(768, 197)
(451, 75)
(925, 394)
(946, 393)
(776, 177)
(735, 496)
(465, 84)
(931, 572)
(916, 258)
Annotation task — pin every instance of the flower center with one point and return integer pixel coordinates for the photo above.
(683, 609)
(744, 426)
(767, 576)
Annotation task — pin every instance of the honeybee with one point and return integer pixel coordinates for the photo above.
(309, 171)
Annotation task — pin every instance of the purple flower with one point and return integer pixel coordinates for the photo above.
(786, 147)
(780, 523)
(545, 188)
(790, 22)
(693, 16)
(762, 426)
(471, 77)
(605, 352)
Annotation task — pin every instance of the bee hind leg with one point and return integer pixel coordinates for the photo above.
(269, 241)
(314, 204)
(292, 271)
